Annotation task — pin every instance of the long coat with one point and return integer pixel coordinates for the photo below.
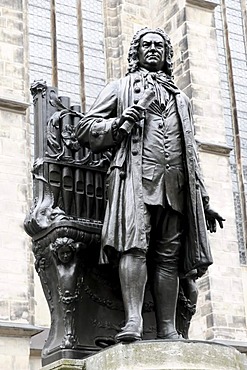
(124, 226)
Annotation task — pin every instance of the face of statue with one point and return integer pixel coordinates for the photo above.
(152, 52)
(64, 254)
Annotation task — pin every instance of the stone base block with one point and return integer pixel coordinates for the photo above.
(159, 355)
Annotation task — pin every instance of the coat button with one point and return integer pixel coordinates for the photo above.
(95, 133)
(167, 166)
(134, 151)
(166, 136)
(167, 155)
(122, 175)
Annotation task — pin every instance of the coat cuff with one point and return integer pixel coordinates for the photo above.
(205, 201)
(101, 135)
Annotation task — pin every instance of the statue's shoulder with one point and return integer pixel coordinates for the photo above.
(130, 78)
(127, 78)
(120, 81)
(123, 82)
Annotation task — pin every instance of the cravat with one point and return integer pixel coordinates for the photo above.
(162, 79)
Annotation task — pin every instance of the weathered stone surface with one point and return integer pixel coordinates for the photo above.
(159, 355)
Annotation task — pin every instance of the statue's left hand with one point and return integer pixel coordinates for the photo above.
(211, 218)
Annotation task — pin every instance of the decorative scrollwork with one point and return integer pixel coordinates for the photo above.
(42, 214)
(61, 136)
(112, 305)
(36, 87)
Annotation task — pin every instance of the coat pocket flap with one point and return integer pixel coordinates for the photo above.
(148, 171)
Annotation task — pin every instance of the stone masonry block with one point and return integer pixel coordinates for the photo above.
(193, 14)
(1, 68)
(6, 360)
(19, 311)
(3, 22)
(132, 10)
(185, 81)
(4, 310)
(14, 4)
(13, 38)
(15, 24)
(14, 70)
(206, 309)
(172, 10)
(210, 320)
(18, 85)
(17, 359)
(14, 289)
(239, 322)
(11, 13)
(7, 52)
(18, 150)
(111, 3)
(6, 84)
(181, 17)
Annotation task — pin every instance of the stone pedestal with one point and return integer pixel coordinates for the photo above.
(159, 355)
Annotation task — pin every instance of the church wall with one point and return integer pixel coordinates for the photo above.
(197, 32)
(16, 266)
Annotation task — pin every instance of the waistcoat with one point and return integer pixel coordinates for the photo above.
(162, 159)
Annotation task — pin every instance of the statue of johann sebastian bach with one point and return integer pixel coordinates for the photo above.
(158, 209)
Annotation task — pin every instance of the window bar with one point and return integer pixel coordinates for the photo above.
(81, 54)
(236, 130)
(54, 44)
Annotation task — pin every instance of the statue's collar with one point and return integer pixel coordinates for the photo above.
(161, 78)
(146, 72)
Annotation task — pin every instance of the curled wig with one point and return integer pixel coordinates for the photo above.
(133, 56)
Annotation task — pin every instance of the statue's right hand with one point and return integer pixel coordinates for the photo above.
(132, 114)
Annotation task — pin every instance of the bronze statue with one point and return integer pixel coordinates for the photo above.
(158, 209)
